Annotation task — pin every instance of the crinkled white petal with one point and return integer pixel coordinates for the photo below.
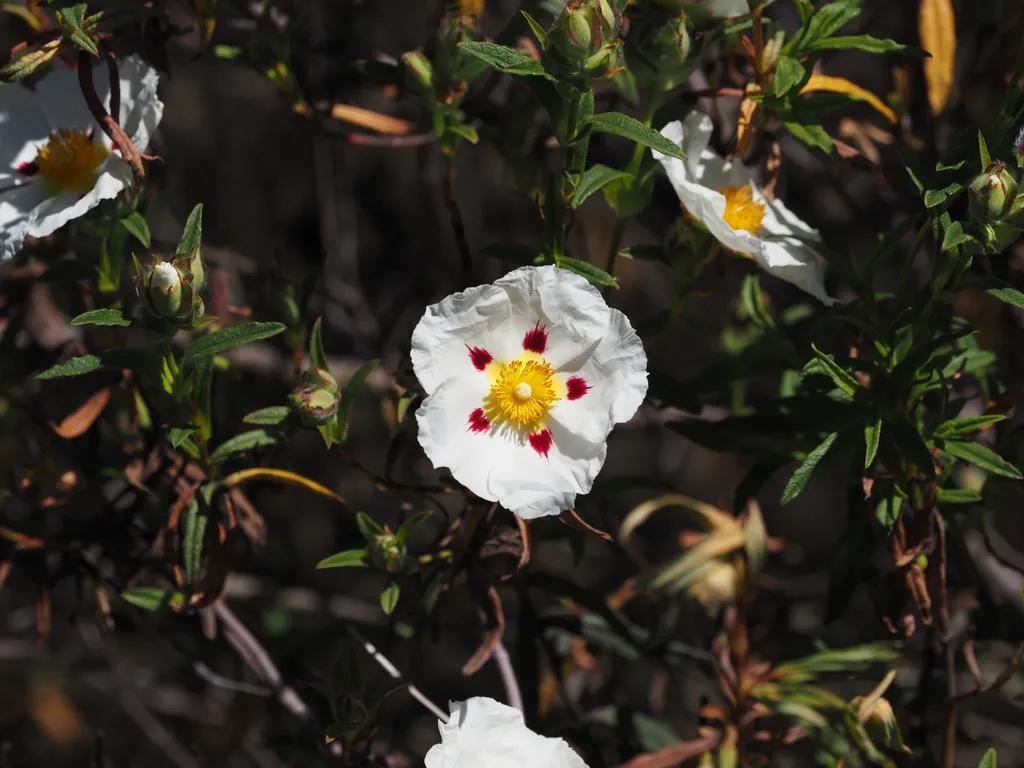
(782, 248)
(54, 212)
(141, 108)
(483, 733)
(585, 338)
(60, 97)
(17, 207)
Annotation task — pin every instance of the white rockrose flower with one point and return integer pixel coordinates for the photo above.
(526, 377)
(56, 163)
(484, 733)
(722, 196)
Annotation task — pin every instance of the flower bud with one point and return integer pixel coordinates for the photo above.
(658, 52)
(316, 397)
(1018, 148)
(388, 553)
(164, 289)
(718, 585)
(584, 29)
(992, 193)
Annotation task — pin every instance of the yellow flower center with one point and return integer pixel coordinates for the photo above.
(741, 210)
(69, 161)
(523, 391)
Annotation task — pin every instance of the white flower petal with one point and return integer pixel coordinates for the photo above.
(57, 211)
(23, 126)
(17, 210)
(60, 97)
(482, 733)
(141, 109)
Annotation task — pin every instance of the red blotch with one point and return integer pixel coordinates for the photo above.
(576, 388)
(536, 340)
(541, 442)
(481, 357)
(478, 422)
(28, 169)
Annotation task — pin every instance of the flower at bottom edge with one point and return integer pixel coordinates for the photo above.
(525, 379)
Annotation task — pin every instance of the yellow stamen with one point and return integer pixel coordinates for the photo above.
(523, 391)
(69, 161)
(741, 210)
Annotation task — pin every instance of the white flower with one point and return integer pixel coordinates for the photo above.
(721, 195)
(165, 276)
(56, 163)
(526, 377)
(482, 733)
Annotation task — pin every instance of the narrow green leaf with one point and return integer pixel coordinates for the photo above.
(957, 496)
(240, 443)
(999, 289)
(112, 359)
(137, 227)
(194, 540)
(317, 356)
(505, 59)
(270, 416)
(389, 597)
(826, 364)
(753, 304)
(214, 343)
(872, 433)
(966, 425)
(538, 30)
(803, 473)
(110, 316)
(989, 760)
(348, 399)
(152, 598)
(860, 43)
(350, 558)
(888, 512)
(986, 458)
(368, 526)
(828, 20)
(630, 128)
(812, 135)
(788, 73)
(983, 151)
(596, 275)
(406, 528)
(193, 232)
(593, 179)
(955, 236)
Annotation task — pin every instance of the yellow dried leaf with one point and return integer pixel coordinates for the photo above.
(842, 85)
(937, 29)
(280, 476)
(375, 121)
(745, 124)
(471, 8)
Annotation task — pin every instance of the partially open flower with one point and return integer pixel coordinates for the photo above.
(484, 733)
(721, 195)
(165, 289)
(992, 193)
(526, 378)
(316, 397)
(56, 163)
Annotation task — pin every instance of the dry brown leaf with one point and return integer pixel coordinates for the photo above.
(375, 121)
(79, 421)
(937, 29)
(745, 123)
(842, 85)
(54, 713)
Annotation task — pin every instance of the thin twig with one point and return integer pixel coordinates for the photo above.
(392, 670)
(227, 684)
(508, 676)
(458, 225)
(392, 142)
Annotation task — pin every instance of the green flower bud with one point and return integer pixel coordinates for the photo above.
(388, 553)
(658, 52)
(316, 397)
(585, 31)
(992, 193)
(164, 288)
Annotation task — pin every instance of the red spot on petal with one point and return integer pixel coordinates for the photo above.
(481, 357)
(541, 442)
(576, 388)
(536, 340)
(478, 422)
(28, 169)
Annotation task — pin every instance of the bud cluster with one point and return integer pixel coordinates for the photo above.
(585, 39)
(658, 48)
(996, 206)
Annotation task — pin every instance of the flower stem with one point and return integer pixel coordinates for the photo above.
(455, 215)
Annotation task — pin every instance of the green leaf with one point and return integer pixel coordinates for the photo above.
(999, 289)
(828, 20)
(936, 197)
(240, 443)
(860, 43)
(813, 135)
(112, 359)
(753, 305)
(193, 540)
(505, 59)
(204, 348)
(955, 236)
(110, 316)
(983, 154)
(538, 30)
(269, 416)
(966, 425)
(788, 73)
(348, 399)
(872, 434)
(593, 179)
(803, 473)
(596, 275)
(137, 227)
(888, 512)
(957, 496)
(350, 558)
(909, 440)
(389, 597)
(368, 526)
(978, 454)
(826, 364)
(317, 356)
(989, 760)
(406, 528)
(630, 128)
(192, 235)
(152, 598)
